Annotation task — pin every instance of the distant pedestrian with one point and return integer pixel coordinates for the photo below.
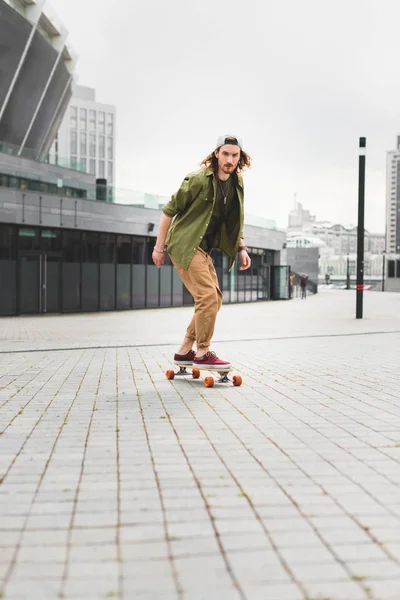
(291, 284)
(303, 285)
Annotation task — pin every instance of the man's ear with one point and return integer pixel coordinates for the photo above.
(216, 153)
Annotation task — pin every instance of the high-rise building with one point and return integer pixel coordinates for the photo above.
(393, 200)
(86, 137)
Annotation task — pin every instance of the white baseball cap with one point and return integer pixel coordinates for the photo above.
(229, 139)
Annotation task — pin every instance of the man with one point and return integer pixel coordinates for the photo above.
(303, 285)
(206, 212)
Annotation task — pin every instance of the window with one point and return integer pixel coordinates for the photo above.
(74, 143)
(101, 169)
(71, 246)
(101, 146)
(92, 144)
(83, 144)
(107, 248)
(90, 247)
(83, 119)
(50, 240)
(83, 165)
(92, 166)
(391, 265)
(110, 172)
(102, 122)
(110, 124)
(92, 120)
(73, 117)
(8, 242)
(110, 148)
(124, 249)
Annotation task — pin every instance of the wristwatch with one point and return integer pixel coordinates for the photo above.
(242, 248)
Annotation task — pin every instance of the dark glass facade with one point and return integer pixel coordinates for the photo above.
(45, 270)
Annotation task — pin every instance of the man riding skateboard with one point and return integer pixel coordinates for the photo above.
(205, 213)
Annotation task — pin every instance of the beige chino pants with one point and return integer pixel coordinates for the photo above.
(201, 280)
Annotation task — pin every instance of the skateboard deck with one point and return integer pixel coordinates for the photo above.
(208, 381)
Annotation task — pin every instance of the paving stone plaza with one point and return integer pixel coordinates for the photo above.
(117, 483)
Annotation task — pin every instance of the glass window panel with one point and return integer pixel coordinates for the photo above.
(102, 140)
(138, 251)
(90, 247)
(107, 286)
(138, 285)
(110, 148)
(74, 142)
(72, 246)
(107, 248)
(92, 166)
(90, 286)
(28, 238)
(83, 165)
(124, 249)
(102, 122)
(110, 124)
(8, 287)
(83, 144)
(92, 144)
(123, 286)
(8, 242)
(51, 240)
(83, 119)
(101, 169)
(110, 172)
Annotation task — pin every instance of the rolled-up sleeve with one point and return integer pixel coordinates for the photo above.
(180, 200)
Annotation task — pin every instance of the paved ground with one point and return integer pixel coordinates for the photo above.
(117, 483)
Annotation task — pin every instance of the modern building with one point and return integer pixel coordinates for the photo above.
(36, 76)
(70, 254)
(393, 199)
(86, 138)
(337, 245)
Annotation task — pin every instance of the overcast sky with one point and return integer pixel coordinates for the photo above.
(299, 81)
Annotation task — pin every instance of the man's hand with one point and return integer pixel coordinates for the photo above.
(245, 260)
(158, 258)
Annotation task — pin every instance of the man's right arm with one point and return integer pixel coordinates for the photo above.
(159, 249)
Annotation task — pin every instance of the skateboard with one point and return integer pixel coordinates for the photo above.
(208, 381)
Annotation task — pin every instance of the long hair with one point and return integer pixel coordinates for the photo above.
(211, 162)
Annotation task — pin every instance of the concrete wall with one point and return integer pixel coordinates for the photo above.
(32, 208)
(304, 260)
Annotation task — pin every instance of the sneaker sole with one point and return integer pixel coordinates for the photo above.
(212, 367)
(185, 363)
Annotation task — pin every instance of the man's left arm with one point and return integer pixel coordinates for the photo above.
(244, 257)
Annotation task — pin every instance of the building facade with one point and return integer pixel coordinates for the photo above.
(86, 138)
(36, 76)
(393, 199)
(65, 253)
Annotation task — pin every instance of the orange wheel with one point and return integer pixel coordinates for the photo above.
(209, 381)
(196, 373)
(170, 374)
(237, 380)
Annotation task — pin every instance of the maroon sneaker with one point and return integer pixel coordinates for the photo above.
(211, 361)
(185, 359)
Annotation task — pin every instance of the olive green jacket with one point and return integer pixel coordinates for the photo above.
(192, 208)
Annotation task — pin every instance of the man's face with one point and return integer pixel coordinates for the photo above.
(228, 157)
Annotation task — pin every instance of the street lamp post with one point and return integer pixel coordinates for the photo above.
(348, 273)
(383, 270)
(360, 228)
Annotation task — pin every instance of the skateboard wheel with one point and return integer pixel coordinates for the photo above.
(209, 381)
(237, 380)
(170, 374)
(196, 373)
